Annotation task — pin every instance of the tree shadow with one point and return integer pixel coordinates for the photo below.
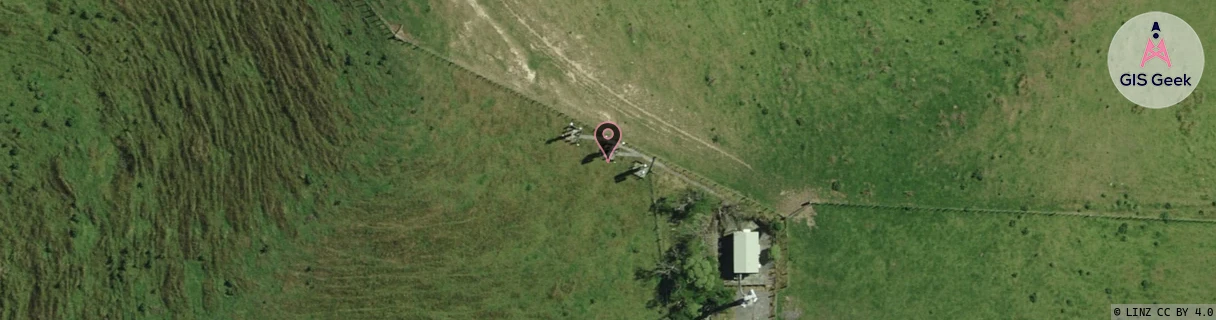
(705, 314)
(555, 139)
(663, 291)
(591, 157)
(726, 255)
(625, 175)
(681, 207)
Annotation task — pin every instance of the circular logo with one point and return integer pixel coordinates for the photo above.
(1155, 60)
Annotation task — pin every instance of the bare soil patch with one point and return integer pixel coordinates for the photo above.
(792, 203)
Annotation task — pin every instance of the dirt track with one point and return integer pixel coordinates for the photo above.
(585, 95)
(692, 179)
(587, 78)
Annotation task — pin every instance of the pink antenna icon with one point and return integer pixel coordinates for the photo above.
(1156, 51)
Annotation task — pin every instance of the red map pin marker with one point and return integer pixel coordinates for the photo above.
(608, 136)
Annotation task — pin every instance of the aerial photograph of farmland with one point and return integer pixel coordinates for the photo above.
(616, 159)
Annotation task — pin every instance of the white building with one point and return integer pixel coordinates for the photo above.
(746, 251)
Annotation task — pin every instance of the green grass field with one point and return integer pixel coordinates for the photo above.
(865, 264)
(910, 97)
(227, 159)
(982, 104)
(151, 147)
(164, 163)
(459, 210)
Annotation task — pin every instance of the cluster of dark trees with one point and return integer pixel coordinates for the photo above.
(689, 283)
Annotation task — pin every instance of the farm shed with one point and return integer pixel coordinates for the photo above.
(746, 251)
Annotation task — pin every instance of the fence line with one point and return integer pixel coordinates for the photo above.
(372, 17)
(1006, 211)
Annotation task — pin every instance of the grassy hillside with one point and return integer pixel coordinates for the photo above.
(458, 209)
(152, 146)
(283, 160)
